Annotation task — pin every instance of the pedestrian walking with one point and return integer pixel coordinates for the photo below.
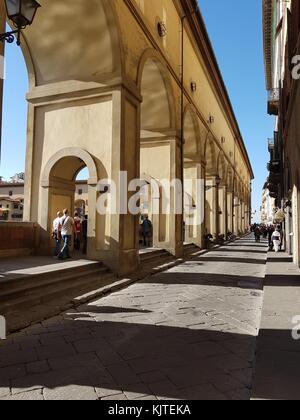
(257, 234)
(147, 231)
(67, 227)
(276, 238)
(271, 230)
(56, 233)
(84, 227)
(77, 223)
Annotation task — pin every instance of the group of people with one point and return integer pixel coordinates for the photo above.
(66, 228)
(272, 233)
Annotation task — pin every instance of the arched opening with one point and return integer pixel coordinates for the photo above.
(69, 181)
(193, 185)
(156, 152)
(14, 121)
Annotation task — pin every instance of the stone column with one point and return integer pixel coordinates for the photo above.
(176, 233)
(124, 247)
(230, 211)
(223, 210)
(194, 188)
(236, 216)
(211, 208)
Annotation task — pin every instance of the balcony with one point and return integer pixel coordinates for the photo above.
(271, 144)
(273, 101)
(274, 167)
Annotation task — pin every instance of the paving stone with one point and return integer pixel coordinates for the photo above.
(188, 332)
(26, 396)
(38, 367)
(71, 392)
(118, 397)
(52, 351)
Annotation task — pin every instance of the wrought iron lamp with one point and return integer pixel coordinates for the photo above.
(21, 13)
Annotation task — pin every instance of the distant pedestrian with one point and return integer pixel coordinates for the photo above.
(147, 231)
(271, 230)
(67, 227)
(276, 239)
(56, 233)
(84, 227)
(257, 234)
(77, 223)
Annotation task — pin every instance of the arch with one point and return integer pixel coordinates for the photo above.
(192, 137)
(222, 168)
(85, 159)
(230, 178)
(211, 157)
(158, 110)
(73, 40)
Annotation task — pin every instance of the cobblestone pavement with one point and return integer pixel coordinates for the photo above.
(188, 333)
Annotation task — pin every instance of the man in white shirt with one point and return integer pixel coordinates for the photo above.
(67, 228)
(56, 233)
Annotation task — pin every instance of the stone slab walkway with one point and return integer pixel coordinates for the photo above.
(187, 333)
(277, 374)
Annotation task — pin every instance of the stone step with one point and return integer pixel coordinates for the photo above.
(27, 284)
(154, 256)
(28, 277)
(61, 293)
(41, 289)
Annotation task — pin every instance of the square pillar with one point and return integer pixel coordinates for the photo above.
(123, 250)
(223, 229)
(194, 212)
(211, 207)
(230, 211)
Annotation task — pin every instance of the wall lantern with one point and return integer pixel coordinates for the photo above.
(211, 119)
(21, 13)
(193, 86)
(218, 181)
(162, 29)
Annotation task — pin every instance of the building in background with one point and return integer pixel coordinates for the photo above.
(12, 198)
(281, 47)
(268, 209)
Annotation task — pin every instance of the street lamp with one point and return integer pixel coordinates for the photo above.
(21, 13)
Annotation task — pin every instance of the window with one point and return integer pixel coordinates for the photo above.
(16, 206)
(80, 192)
(10, 193)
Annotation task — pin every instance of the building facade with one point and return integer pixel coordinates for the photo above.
(12, 199)
(281, 43)
(131, 87)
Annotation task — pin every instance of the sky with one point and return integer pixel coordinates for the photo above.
(235, 29)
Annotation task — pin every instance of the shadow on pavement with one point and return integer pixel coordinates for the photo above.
(277, 366)
(167, 362)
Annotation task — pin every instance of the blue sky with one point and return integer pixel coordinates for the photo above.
(235, 29)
